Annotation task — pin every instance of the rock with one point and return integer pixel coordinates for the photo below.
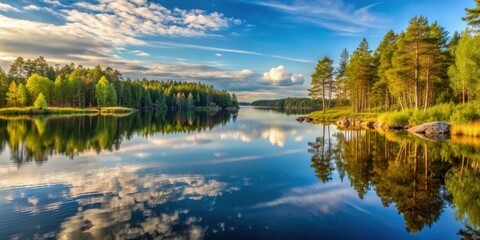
(356, 122)
(301, 119)
(432, 128)
(367, 124)
(87, 224)
(343, 122)
(308, 119)
(378, 125)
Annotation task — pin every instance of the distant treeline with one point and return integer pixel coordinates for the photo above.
(77, 86)
(290, 103)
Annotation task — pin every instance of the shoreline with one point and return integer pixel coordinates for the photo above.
(29, 111)
(32, 111)
(467, 129)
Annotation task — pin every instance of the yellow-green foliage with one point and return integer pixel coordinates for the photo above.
(334, 114)
(396, 118)
(465, 113)
(466, 129)
(440, 112)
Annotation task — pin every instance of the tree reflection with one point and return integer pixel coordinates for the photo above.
(35, 139)
(322, 156)
(406, 171)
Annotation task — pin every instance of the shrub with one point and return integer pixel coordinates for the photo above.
(466, 113)
(396, 118)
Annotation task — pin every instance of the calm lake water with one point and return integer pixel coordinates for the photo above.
(257, 174)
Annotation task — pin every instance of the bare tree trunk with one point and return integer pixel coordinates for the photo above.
(417, 70)
(426, 86)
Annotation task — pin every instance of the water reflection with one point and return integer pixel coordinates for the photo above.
(189, 176)
(35, 139)
(417, 176)
(116, 203)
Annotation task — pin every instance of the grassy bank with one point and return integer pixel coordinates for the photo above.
(63, 111)
(332, 115)
(464, 118)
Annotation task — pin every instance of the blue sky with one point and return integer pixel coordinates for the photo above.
(257, 49)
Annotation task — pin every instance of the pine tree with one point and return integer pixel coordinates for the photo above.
(383, 62)
(473, 17)
(360, 76)
(321, 80)
(340, 78)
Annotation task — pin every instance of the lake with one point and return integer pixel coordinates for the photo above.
(255, 174)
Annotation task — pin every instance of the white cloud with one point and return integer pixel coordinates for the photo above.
(279, 76)
(338, 16)
(218, 54)
(32, 7)
(53, 2)
(6, 7)
(140, 53)
(229, 50)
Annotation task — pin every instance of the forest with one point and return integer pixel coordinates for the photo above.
(415, 69)
(290, 103)
(36, 83)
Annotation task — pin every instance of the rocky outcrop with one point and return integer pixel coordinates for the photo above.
(432, 128)
(349, 122)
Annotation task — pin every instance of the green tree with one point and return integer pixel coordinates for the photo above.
(22, 96)
(17, 70)
(12, 95)
(340, 78)
(41, 102)
(3, 88)
(383, 62)
(321, 80)
(112, 95)
(359, 74)
(37, 84)
(473, 16)
(464, 73)
(102, 90)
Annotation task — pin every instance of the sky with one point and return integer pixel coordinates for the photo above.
(263, 49)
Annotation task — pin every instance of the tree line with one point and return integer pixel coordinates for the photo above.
(290, 103)
(36, 83)
(415, 69)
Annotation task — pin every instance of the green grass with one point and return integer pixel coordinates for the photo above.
(465, 118)
(61, 110)
(335, 113)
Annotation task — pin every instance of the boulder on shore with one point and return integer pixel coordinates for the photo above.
(367, 124)
(300, 119)
(432, 128)
(349, 122)
(343, 122)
